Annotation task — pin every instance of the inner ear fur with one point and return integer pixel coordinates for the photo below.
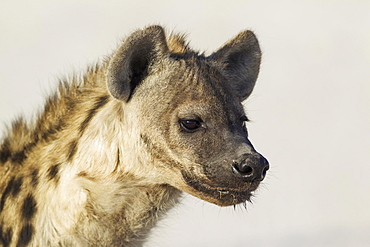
(131, 62)
(240, 59)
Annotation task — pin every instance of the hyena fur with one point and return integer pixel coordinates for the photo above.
(112, 150)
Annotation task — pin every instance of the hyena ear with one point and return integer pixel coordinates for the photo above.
(131, 62)
(240, 59)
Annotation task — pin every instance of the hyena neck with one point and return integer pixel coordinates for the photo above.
(102, 152)
(114, 192)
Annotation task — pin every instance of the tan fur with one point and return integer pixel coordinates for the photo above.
(94, 169)
(177, 44)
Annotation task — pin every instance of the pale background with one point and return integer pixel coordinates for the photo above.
(310, 108)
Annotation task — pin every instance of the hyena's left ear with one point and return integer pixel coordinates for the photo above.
(240, 58)
(132, 61)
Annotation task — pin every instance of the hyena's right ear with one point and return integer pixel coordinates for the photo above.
(131, 62)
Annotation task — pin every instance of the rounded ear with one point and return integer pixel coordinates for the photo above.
(131, 63)
(240, 59)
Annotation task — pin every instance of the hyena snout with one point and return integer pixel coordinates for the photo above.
(251, 167)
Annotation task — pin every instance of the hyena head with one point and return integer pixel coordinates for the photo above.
(186, 113)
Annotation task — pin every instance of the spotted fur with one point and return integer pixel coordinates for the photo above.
(109, 153)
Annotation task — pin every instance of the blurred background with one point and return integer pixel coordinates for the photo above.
(310, 108)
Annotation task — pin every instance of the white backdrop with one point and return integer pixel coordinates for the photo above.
(310, 108)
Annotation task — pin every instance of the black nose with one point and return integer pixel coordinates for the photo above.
(251, 167)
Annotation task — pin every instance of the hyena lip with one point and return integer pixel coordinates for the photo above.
(220, 196)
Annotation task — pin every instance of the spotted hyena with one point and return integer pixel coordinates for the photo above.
(113, 149)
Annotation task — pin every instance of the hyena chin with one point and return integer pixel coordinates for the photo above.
(113, 149)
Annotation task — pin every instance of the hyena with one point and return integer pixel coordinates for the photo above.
(113, 149)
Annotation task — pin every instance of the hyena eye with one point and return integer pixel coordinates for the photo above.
(190, 125)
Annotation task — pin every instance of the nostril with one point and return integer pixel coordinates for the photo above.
(266, 167)
(243, 168)
(264, 171)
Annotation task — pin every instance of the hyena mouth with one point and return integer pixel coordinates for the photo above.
(220, 196)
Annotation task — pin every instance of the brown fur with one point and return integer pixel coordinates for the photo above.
(110, 152)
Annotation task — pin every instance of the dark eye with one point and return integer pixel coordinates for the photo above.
(190, 124)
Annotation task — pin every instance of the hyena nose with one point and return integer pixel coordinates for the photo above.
(251, 167)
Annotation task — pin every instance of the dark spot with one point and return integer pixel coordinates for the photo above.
(5, 236)
(13, 188)
(25, 235)
(72, 148)
(5, 152)
(17, 186)
(29, 208)
(53, 172)
(4, 155)
(52, 130)
(98, 104)
(35, 177)
(70, 104)
(19, 157)
(6, 193)
(35, 137)
(30, 146)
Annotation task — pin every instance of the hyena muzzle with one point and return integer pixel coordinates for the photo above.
(113, 149)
